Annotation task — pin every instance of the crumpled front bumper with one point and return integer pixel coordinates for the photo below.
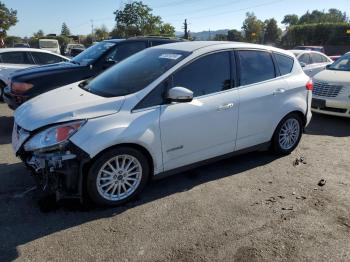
(59, 172)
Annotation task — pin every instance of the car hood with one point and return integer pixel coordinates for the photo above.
(45, 68)
(64, 104)
(334, 77)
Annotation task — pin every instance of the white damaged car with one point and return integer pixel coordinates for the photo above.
(161, 111)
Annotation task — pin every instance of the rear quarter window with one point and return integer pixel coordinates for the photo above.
(285, 63)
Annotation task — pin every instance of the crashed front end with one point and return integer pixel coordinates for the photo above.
(55, 162)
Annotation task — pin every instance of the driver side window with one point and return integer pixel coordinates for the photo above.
(125, 50)
(206, 75)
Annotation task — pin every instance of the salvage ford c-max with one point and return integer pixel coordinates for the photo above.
(159, 112)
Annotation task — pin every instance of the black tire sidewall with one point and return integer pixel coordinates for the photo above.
(1, 93)
(92, 191)
(275, 141)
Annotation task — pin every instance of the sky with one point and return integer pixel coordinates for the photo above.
(200, 14)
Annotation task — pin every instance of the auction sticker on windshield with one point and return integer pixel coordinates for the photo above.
(170, 56)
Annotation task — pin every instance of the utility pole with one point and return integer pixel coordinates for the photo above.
(92, 31)
(186, 30)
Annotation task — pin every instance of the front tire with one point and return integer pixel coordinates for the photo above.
(117, 176)
(287, 134)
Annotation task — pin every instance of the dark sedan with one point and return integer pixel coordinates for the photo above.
(28, 83)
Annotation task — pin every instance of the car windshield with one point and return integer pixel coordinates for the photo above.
(48, 44)
(342, 63)
(92, 53)
(136, 72)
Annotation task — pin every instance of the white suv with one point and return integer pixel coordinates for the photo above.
(161, 111)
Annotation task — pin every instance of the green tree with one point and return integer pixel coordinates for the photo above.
(272, 31)
(220, 37)
(167, 29)
(101, 33)
(136, 19)
(39, 34)
(253, 28)
(65, 30)
(290, 20)
(234, 35)
(8, 18)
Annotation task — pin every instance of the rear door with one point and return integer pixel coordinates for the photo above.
(261, 93)
(207, 126)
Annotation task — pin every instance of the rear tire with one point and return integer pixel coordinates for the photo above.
(1, 92)
(117, 176)
(287, 134)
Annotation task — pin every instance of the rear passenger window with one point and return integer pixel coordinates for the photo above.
(15, 58)
(305, 58)
(255, 66)
(316, 58)
(206, 75)
(285, 63)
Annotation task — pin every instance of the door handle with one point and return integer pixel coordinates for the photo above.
(279, 91)
(225, 106)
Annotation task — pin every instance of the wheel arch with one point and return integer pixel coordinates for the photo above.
(86, 165)
(297, 112)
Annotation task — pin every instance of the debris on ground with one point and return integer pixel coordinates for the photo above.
(322, 182)
(281, 197)
(287, 208)
(299, 160)
(271, 199)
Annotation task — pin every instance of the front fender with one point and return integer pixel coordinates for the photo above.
(109, 131)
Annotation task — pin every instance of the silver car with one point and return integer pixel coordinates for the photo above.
(312, 62)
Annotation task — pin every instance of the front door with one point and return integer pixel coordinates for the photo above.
(207, 126)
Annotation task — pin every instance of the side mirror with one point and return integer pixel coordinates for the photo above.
(180, 95)
(109, 62)
(302, 64)
(328, 66)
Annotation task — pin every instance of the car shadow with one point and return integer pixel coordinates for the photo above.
(6, 125)
(27, 217)
(324, 125)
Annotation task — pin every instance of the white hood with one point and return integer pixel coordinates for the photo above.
(64, 104)
(334, 77)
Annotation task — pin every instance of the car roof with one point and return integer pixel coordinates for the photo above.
(195, 45)
(21, 49)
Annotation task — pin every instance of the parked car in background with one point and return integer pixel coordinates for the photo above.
(161, 111)
(51, 45)
(12, 59)
(331, 94)
(31, 82)
(312, 62)
(78, 48)
(310, 48)
(334, 57)
(21, 45)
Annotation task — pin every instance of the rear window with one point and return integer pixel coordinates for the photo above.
(135, 73)
(285, 63)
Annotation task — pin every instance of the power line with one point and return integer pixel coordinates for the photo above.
(210, 8)
(233, 11)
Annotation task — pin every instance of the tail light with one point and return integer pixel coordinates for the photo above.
(20, 88)
(309, 85)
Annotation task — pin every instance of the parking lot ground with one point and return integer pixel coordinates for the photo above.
(254, 207)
